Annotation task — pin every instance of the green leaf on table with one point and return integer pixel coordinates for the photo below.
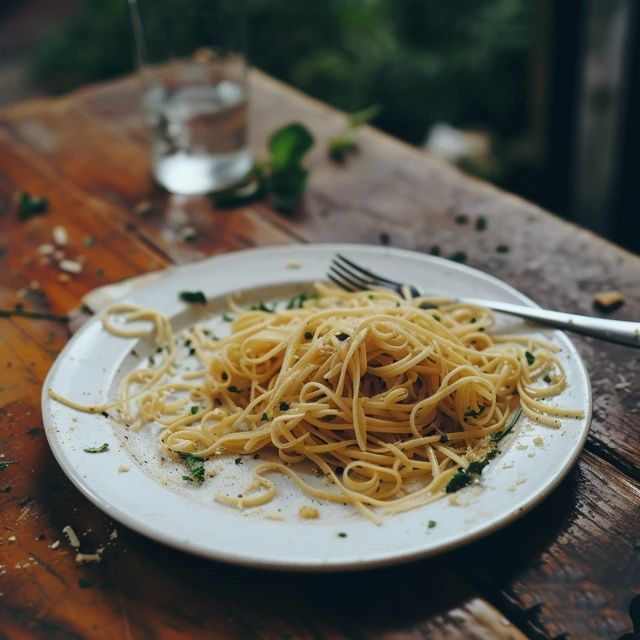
(358, 118)
(29, 206)
(252, 189)
(282, 177)
(288, 145)
(286, 186)
(343, 145)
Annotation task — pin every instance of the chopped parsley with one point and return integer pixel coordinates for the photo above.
(342, 336)
(233, 388)
(481, 223)
(29, 206)
(385, 238)
(461, 218)
(444, 437)
(435, 250)
(502, 248)
(261, 306)
(195, 465)
(264, 417)
(308, 335)
(431, 524)
(530, 357)
(464, 477)
(297, 302)
(227, 318)
(85, 583)
(196, 297)
(437, 318)
(342, 534)
(101, 449)
(194, 410)
(499, 435)
(5, 489)
(284, 406)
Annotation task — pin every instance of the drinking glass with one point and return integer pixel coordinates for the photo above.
(191, 55)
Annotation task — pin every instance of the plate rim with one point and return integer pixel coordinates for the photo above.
(287, 564)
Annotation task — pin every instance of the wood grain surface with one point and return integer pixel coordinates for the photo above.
(568, 569)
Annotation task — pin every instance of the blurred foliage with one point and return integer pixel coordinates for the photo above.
(465, 62)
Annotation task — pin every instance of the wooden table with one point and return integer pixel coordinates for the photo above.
(568, 569)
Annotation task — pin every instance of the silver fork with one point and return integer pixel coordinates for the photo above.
(352, 277)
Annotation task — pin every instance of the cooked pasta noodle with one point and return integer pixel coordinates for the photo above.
(387, 397)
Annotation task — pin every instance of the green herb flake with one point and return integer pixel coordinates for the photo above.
(308, 335)
(481, 223)
(530, 357)
(435, 250)
(5, 489)
(264, 417)
(459, 480)
(195, 465)
(437, 318)
(89, 241)
(499, 435)
(85, 583)
(339, 147)
(101, 449)
(284, 406)
(444, 437)
(261, 306)
(5, 463)
(297, 302)
(29, 206)
(342, 336)
(385, 239)
(227, 318)
(431, 524)
(233, 388)
(502, 248)
(194, 297)
(194, 410)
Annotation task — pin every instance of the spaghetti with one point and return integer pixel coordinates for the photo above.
(389, 398)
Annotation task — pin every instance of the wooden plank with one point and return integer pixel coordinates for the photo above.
(573, 564)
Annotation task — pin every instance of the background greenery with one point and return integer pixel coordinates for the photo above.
(465, 62)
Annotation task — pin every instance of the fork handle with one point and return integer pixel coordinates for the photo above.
(618, 331)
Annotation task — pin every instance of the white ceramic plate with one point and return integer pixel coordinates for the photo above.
(153, 499)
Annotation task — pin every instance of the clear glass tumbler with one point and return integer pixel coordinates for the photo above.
(192, 62)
